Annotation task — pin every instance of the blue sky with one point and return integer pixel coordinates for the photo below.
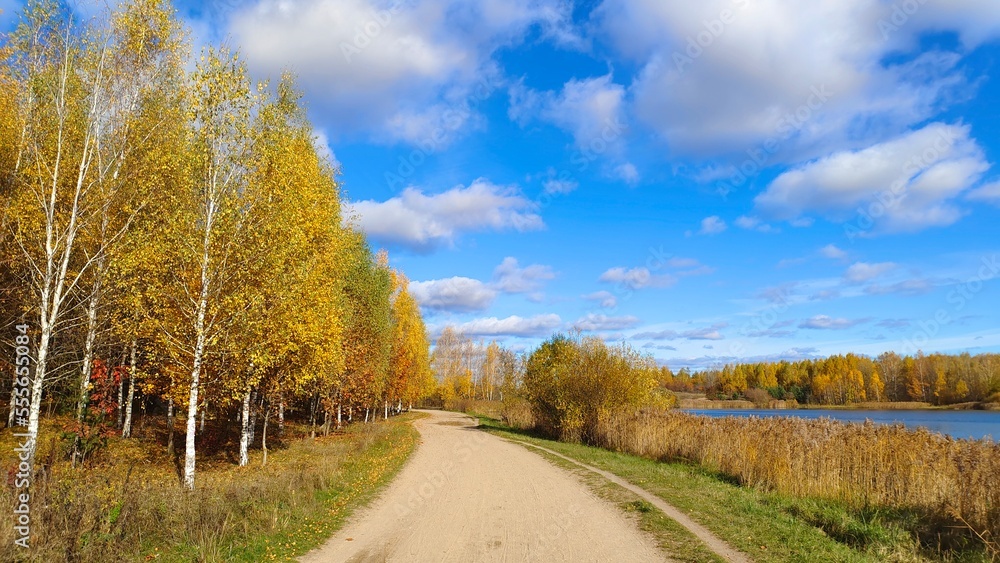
(709, 181)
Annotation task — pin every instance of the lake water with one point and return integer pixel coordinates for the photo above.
(957, 424)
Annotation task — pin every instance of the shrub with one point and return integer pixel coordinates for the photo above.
(575, 385)
(759, 397)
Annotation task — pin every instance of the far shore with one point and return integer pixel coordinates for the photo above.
(692, 401)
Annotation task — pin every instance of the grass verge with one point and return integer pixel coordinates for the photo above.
(130, 507)
(766, 526)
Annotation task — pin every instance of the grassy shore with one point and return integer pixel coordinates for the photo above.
(127, 505)
(768, 526)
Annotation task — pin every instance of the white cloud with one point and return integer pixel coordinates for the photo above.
(509, 277)
(712, 225)
(637, 278)
(606, 299)
(396, 69)
(539, 325)
(424, 222)
(322, 143)
(823, 322)
(701, 85)
(591, 110)
(989, 193)
(560, 187)
(627, 172)
(860, 272)
(455, 294)
(707, 333)
(825, 295)
(595, 322)
(832, 252)
(905, 287)
(753, 224)
(908, 183)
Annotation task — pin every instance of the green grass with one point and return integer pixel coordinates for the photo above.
(670, 536)
(765, 526)
(361, 476)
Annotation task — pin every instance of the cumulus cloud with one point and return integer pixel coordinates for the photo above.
(627, 172)
(989, 193)
(753, 224)
(605, 299)
(707, 333)
(832, 252)
(397, 70)
(637, 278)
(824, 322)
(510, 277)
(702, 89)
(590, 109)
(860, 272)
(909, 183)
(712, 225)
(539, 325)
(455, 294)
(594, 322)
(424, 222)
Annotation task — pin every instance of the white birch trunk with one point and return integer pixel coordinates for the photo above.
(281, 415)
(127, 425)
(192, 415)
(245, 431)
(263, 437)
(88, 346)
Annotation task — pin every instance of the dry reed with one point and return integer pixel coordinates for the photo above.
(952, 481)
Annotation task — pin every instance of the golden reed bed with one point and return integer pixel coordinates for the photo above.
(861, 464)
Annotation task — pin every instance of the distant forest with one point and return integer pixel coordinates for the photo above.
(939, 379)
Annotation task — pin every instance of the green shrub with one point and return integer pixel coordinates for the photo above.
(576, 385)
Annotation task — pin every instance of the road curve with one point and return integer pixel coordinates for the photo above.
(466, 495)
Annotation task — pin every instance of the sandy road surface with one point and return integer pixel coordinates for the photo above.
(469, 496)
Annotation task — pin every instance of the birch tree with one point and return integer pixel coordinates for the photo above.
(207, 229)
(149, 56)
(72, 126)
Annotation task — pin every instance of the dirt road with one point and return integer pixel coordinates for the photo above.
(469, 496)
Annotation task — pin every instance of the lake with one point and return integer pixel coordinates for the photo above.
(957, 424)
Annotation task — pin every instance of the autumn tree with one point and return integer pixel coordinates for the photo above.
(410, 370)
(368, 326)
(76, 112)
(208, 228)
